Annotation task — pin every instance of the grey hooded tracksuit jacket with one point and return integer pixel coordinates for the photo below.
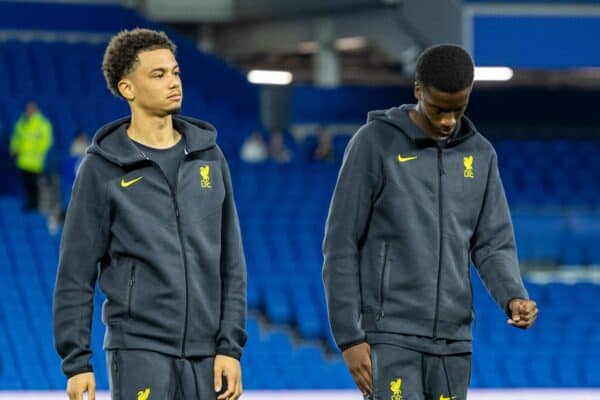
(169, 260)
(406, 218)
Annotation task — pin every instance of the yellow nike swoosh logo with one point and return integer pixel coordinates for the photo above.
(405, 159)
(131, 182)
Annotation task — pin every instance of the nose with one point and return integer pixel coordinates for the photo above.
(448, 121)
(175, 81)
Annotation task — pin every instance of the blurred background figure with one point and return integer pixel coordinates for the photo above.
(79, 144)
(30, 142)
(278, 150)
(254, 149)
(324, 150)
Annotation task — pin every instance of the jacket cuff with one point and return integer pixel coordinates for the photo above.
(345, 346)
(229, 353)
(79, 371)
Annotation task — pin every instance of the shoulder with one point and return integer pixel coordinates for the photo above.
(480, 145)
(95, 169)
(371, 136)
(483, 143)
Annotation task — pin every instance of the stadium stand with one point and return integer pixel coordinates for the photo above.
(288, 293)
(282, 212)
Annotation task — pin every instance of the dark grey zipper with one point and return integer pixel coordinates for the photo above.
(179, 236)
(131, 284)
(382, 282)
(441, 172)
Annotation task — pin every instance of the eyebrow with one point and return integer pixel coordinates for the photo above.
(442, 109)
(162, 69)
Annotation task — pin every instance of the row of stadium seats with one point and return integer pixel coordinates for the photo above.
(559, 172)
(560, 351)
(50, 68)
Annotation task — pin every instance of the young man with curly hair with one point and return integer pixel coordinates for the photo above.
(152, 218)
(418, 197)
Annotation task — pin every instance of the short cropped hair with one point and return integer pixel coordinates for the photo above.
(121, 54)
(446, 67)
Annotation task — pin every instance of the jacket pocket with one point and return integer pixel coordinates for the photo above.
(384, 278)
(130, 291)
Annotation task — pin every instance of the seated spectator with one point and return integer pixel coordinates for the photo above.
(324, 150)
(254, 149)
(277, 149)
(79, 144)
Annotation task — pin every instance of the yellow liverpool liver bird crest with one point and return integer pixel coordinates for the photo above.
(205, 177)
(396, 389)
(144, 394)
(468, 161)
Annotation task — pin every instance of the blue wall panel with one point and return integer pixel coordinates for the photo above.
(537, 41)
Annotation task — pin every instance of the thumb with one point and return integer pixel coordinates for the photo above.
(514, 310)
(218, 377)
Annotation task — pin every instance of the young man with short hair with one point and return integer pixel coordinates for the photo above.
(418, 197)
(152, 217)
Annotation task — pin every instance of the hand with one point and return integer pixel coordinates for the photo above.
(230, 368)
(358, 360)
(81, 383)
(523, 313)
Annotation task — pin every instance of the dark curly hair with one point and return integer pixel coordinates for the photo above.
(446, 67)
(122, 52)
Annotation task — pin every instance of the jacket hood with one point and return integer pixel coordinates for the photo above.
(112, 143)
(398, 117)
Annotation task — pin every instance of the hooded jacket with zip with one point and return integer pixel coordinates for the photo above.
(169, 260)
(406, 218)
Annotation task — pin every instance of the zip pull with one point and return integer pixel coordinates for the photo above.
(441, 162)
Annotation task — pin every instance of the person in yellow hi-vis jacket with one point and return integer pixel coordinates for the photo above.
(30, 142)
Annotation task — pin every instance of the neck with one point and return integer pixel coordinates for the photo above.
(153, 131)
(417, 117)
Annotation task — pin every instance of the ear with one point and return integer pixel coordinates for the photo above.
(126, 89)
(417, 91)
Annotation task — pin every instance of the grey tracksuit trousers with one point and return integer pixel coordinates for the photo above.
(147, 375)
(403, 374)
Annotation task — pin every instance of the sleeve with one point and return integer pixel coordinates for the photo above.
(359, 182)
(232, 335)
(83, 243)
(493, 248)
